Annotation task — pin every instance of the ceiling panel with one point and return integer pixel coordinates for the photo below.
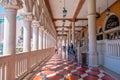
(61, 28)
(59, 23)
(61, 33)
(101, 5)
(57, 7)
(81, 23)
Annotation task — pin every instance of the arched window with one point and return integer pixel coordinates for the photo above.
(2, 11)
(112, 22)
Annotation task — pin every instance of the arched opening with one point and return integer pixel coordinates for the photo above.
(111, 27)
(1, 28)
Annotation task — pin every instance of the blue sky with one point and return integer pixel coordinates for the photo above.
(1, 10)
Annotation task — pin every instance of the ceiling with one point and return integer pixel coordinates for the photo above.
(76, 9)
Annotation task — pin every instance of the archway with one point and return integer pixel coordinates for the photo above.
(111, 27)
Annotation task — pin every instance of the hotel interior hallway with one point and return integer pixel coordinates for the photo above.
(58, 69)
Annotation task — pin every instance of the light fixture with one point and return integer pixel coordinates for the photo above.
(64, 15)
(64, 12)
(107, 11)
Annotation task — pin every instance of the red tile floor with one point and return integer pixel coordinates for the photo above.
(58, 69)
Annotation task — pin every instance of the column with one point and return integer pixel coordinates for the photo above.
(27, 19)
(10, 32)
(44, 39)
(73, 33)
(9, 47)
(46, 43)
(40, 38)
(35, 26)
(93, 60)
(69, 34)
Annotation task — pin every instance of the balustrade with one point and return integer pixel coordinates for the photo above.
(109, 54)
(19, 64)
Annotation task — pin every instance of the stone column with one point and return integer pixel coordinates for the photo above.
(73, 33)
(9, 46)
(40, 38)
(44, 39)
(11, 8)
(69, 34)
(10, 32)
(27, 19)
(35, 26)
(93, 60)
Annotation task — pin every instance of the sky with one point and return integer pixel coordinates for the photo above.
(1, 10)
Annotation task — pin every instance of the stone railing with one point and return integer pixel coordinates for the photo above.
(14, 66)
(109, 54)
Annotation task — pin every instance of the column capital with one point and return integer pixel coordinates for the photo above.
(11, 4)
(36, 23)
(42, 28)
(27, 16)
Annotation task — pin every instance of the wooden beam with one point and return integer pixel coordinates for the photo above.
(67, 30)
(62, 35)
(64, 26)
(61, 31)
(49, 10)
(56, 19)
(80, 4)
(69, 19)
(70, 26)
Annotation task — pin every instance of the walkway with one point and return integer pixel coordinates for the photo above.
(58, 69)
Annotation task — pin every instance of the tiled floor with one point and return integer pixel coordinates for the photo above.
(58, 69)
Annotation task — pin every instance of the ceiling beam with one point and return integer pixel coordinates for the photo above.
(62, 35)
(69, 19)
(80, 4)
(67, 30)
(49, 9)
(61, 30)
(69, 26)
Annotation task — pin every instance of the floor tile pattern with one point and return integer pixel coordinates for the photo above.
(58, 69)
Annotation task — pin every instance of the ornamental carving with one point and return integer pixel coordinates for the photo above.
(13, 4)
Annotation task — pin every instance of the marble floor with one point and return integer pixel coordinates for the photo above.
(58, 69)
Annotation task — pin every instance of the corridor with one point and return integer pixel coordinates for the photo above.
(58, 69)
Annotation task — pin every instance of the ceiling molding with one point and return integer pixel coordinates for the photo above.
(80, 4)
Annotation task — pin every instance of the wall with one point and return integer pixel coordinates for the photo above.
(115, 8)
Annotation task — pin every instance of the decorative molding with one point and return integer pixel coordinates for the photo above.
(27, 16)
(11, 4)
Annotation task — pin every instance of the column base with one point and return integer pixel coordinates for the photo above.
(93, 60)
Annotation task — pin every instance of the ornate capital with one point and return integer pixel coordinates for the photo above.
(36, 24)
(11, 4)
(27, 16)
(42, 28)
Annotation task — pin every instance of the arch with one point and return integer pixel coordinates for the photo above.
(107, 19)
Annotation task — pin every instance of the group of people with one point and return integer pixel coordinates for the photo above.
(70, 49)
